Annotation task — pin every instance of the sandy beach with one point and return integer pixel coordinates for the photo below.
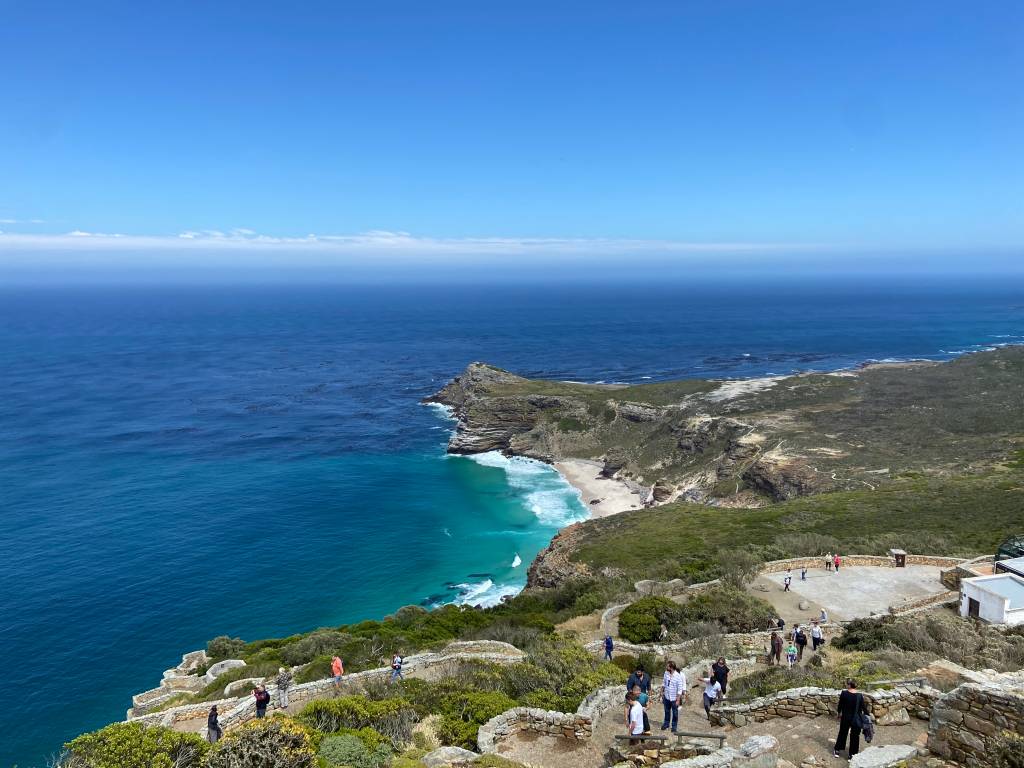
(602, 496)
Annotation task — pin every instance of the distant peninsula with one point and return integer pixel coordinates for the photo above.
(755, 442)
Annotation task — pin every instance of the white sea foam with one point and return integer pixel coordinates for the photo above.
(484, 593)
(443, 410)
(545, 492)
(517, 561)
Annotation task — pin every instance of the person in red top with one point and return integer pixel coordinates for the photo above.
(337, 670)
(836, 562)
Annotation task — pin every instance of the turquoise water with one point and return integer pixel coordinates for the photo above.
(179, 463)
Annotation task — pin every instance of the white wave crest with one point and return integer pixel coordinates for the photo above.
(484, 593)
(517, 561)
(545, 492)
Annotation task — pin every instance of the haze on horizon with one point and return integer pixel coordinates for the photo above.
(394, 140)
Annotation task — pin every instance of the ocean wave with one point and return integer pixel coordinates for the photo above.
(551, 499)
(484, 593)
(517, 561)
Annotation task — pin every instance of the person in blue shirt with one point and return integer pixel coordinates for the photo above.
(609, 646)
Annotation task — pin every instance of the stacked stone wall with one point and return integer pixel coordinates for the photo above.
(429, 666)
(968, 723)
(928, 601)
(739, 644)
(822, 702)
(565, 725)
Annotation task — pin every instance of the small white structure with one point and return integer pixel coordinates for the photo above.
(997, 599)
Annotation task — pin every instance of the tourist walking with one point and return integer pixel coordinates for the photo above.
(817, 636)
(673, 685)
(639, 679)
(775, 656)
(790, 655)
(635, 719)
(337, 670)
(803, 573)
(284, 682)
(213, 730)
(262, 700)
(396, 668)
(644, 700)
(609, 646)
(836, 562)
(801, 643)
(852, 712)
(712, 690)
(720, 671)
(785, 582)
(828, 561)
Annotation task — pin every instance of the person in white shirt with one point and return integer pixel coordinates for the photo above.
(712, 692)
(673, 687)
(636, 719)
(817, 636)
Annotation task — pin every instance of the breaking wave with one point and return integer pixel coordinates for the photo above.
(544, 491)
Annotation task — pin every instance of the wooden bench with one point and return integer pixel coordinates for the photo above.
(680, 735)
(642, 737)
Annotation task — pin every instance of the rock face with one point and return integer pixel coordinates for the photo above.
(552, 565)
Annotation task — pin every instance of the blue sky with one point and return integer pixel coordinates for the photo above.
(796, 126)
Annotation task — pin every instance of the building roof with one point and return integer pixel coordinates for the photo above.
(1016, 565)
(1006, 585)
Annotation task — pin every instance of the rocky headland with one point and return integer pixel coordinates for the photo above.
(754, 442)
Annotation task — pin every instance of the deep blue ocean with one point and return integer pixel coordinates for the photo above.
(182, 462)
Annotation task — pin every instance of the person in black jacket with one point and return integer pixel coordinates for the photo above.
(720, 672)
(262, 697)
(213, 730)
(852, 707)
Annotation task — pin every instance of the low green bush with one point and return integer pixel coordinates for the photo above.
(728, 606)
(224, 647)
(351, 751)
(277, 742)
(133, 744)
(641, 621)
(393, 717)
(464, 712)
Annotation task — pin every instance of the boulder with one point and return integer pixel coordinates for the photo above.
(883, 757)
(759, 752)
(445, 756)
(946, 675)
(803, 605)
(895, 717)
(220, 668)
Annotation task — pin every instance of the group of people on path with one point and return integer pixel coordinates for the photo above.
(673, 695)
(284, 680)
(797, 641)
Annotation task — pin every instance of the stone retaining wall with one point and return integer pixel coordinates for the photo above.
(739, 644)
(952, 576)
(235, 711)
(822, 702)
(577, 726)
(968, 723)
(929, 601)
(572, 727)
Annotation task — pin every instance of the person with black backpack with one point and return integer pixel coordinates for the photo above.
(800, 638)
(853, 716)
(262, 696)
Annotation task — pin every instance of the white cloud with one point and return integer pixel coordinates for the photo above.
(375, 242)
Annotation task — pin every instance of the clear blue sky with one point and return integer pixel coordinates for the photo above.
(886, 124)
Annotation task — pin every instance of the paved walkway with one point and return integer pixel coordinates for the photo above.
(854, 592)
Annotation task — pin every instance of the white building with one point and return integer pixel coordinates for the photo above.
(997, 599)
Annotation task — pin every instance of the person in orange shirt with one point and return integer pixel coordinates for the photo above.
(337, 669)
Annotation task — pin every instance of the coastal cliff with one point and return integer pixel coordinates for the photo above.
(760, 441)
